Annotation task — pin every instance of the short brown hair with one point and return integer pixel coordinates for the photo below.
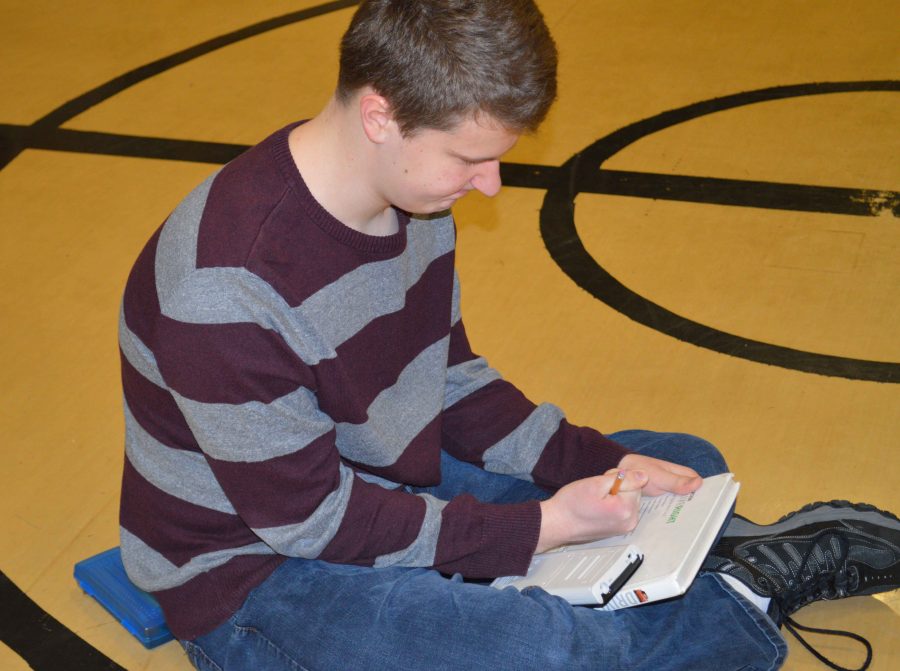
(440, 61)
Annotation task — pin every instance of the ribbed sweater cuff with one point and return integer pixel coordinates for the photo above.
(509, 538)
(575, 453)
(606, 455)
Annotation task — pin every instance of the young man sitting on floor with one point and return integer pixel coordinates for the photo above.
(316, 458)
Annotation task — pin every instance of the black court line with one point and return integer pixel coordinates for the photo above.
(740, 193)
(13, 139)
(41, 640)
(12, 142)
(711, 190)
(584, 169)
(97, 95)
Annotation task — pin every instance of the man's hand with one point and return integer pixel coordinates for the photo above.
(662, 476)
(584, 510)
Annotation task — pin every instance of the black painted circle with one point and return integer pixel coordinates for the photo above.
(557, 221)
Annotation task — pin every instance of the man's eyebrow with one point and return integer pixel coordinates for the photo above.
(474, 159)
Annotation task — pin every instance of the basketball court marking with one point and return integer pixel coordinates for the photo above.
(583, 173)
(580, 174)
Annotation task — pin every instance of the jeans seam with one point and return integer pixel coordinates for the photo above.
(757, 616)
(275, 648)
(195, 651)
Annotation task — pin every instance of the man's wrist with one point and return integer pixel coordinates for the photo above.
(546, 537)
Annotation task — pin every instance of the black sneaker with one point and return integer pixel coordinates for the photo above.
(822, 551)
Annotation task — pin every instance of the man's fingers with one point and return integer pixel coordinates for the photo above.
(664, 476)
(666, 481)
(624, 480)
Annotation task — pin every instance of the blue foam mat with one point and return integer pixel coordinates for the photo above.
(103, 577)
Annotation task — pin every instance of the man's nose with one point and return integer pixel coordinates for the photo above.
(487, 179)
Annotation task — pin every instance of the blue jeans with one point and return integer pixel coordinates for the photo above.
(317, 616)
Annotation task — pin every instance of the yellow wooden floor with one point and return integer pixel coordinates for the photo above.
(822, 282)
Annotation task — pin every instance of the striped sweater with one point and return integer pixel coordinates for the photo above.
(284, 376)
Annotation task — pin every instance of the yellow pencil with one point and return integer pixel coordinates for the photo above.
(618, 483)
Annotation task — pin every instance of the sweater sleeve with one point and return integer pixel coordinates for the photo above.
(487, 421)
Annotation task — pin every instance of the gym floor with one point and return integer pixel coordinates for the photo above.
(731, 270)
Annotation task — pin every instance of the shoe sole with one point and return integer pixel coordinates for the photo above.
(821, 511)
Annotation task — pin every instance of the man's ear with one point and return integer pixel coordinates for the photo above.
(375, 115)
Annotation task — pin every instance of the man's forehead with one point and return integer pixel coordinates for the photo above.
(472, 138)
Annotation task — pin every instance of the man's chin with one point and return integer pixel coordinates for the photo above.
(432, 210)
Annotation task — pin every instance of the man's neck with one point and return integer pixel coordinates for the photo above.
(331, 153)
